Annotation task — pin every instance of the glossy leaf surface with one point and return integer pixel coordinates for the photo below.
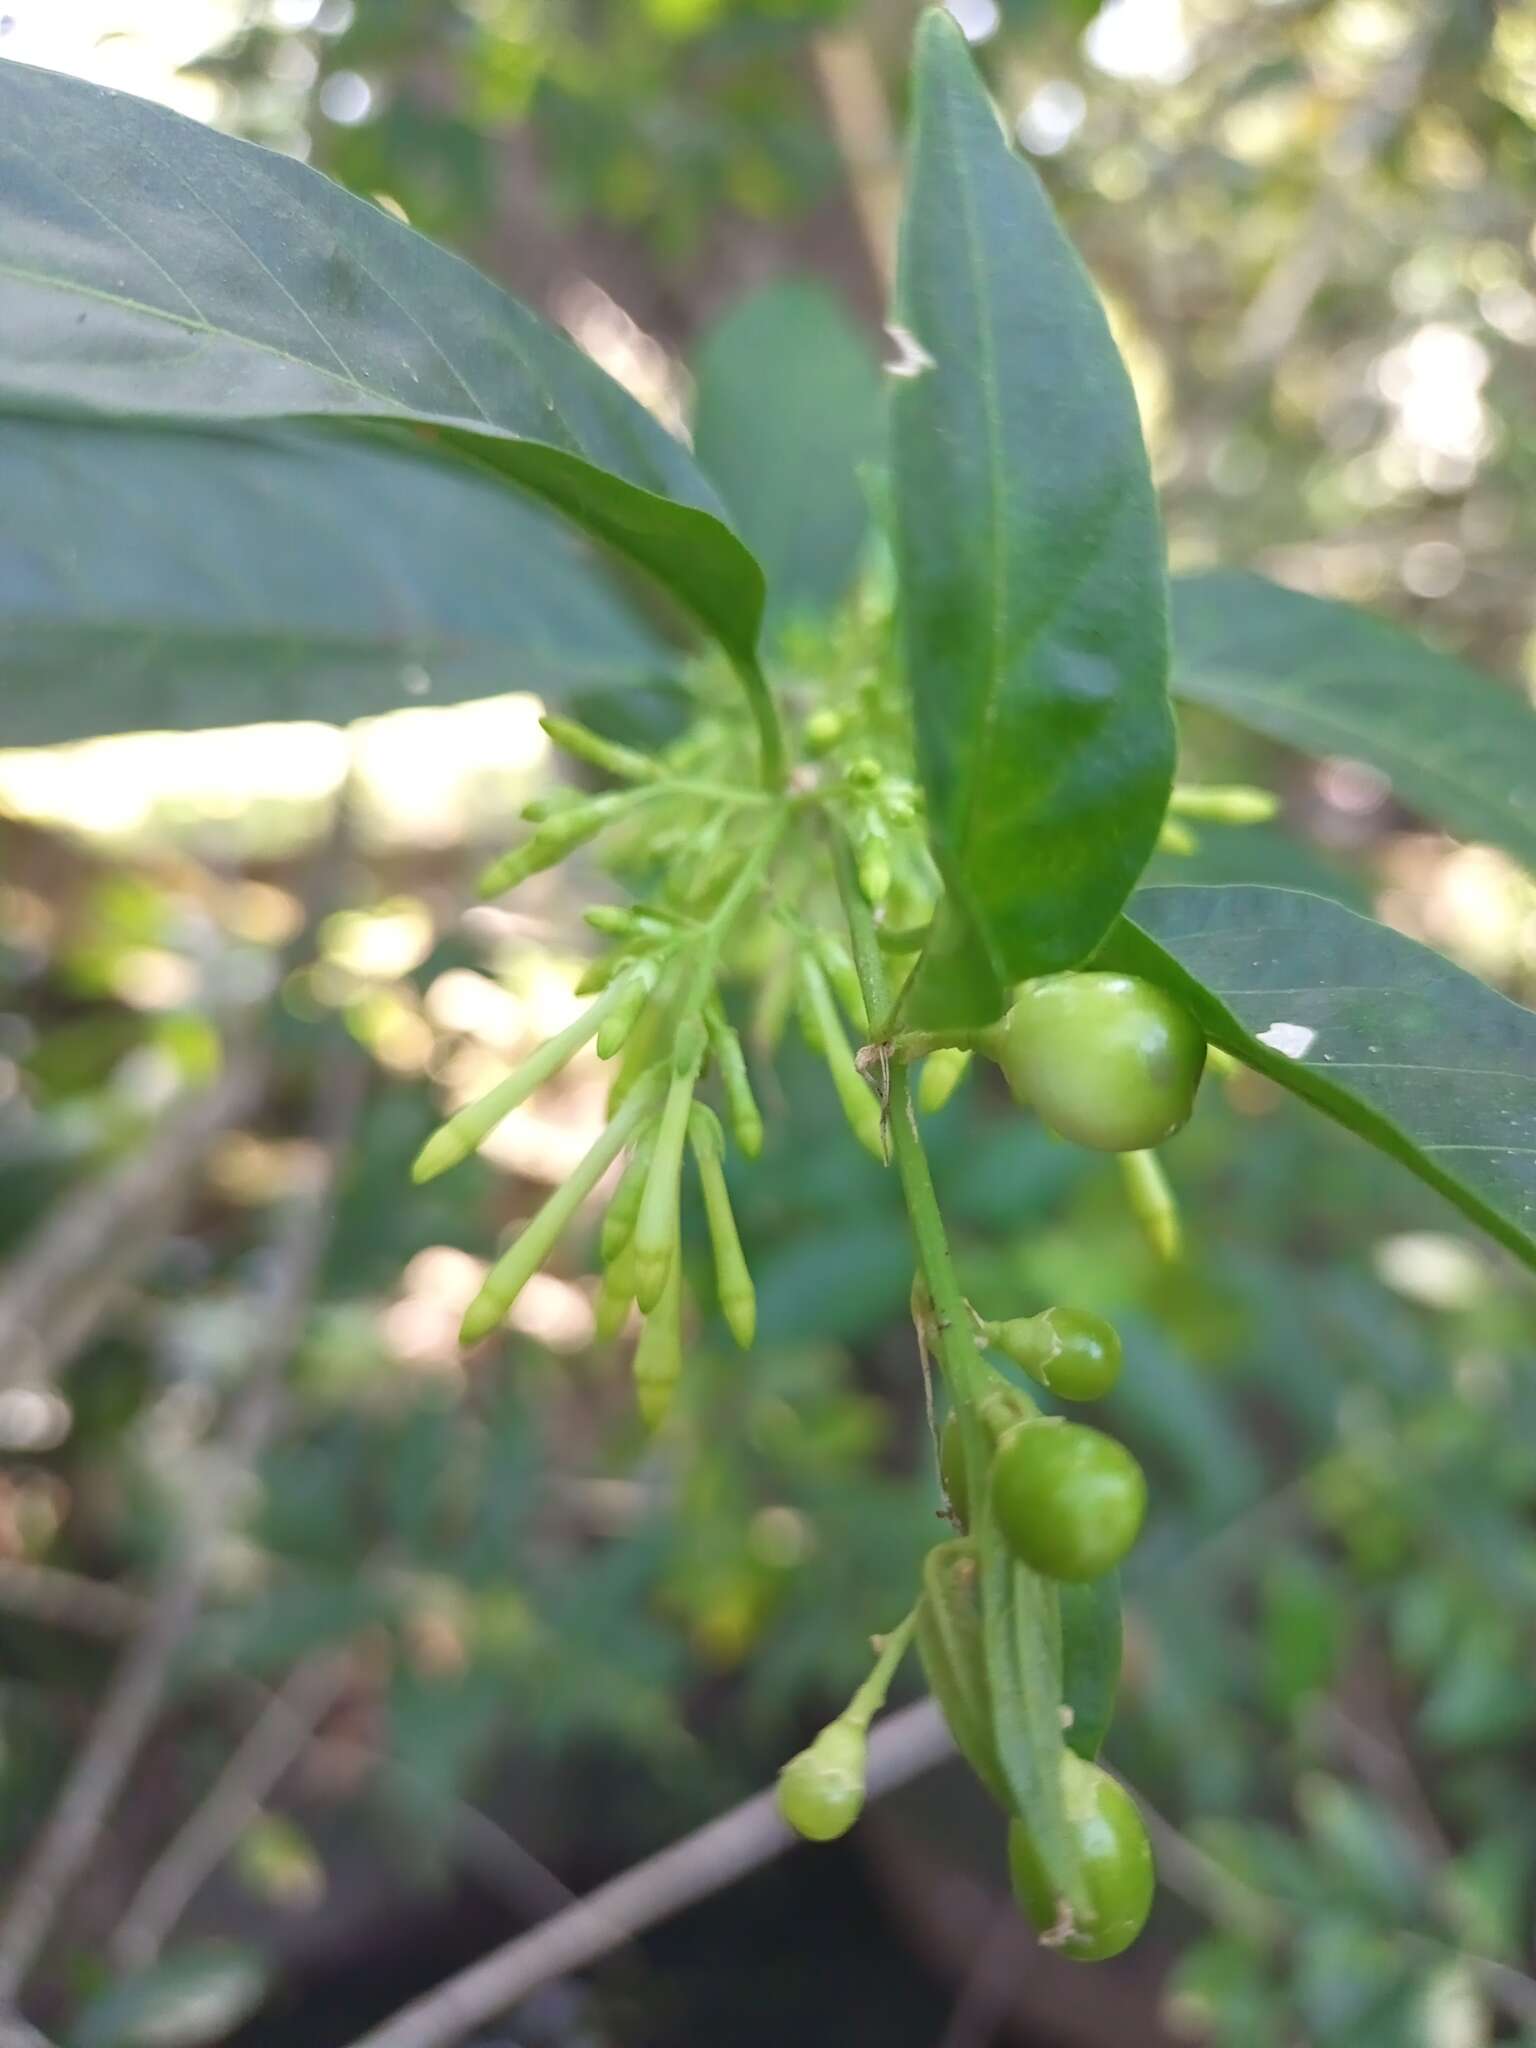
(1386, 1037)
(174, 580)
(1033, 598)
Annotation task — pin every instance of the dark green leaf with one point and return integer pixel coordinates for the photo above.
(1383, 1035)
(1021, 1643)
(789, 409)
(1332, 680)
(152, 269)
(281, 572)
(1034, 609)
(1090, 1659)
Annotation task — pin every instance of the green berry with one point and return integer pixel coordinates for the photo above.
(1116, 1861)
(1070, 1351)
(1103, 1059)
(1068, 1500)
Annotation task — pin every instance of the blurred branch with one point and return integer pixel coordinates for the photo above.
(92, 1607)
(61, 1283)
(986, 1992)
(1277, 313)
(901, 1748)
(853, 93)
(273, 1744)
(134, 1695)
(20, 2033)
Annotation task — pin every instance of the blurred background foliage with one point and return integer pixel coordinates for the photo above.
(514, 1644)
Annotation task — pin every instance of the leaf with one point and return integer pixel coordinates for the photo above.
(1033, 596)
(1090, 1659)
(1021, 1647)
(152, 269)
(1331, 680)
(271, 575)
(1383, 1035)
(949, 1642)
(788, 410)
(199, 1993)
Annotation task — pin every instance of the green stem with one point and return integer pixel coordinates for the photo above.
(870, 1697)
(770, 729)
(961, 1363)
(713, 934)
(717, 792)
(916, 1045)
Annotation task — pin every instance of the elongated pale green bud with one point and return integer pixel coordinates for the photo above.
(608, 755)
(517, 1265)
(733, 1281)
(775, 1000)
(658, 1362)
(637, 989)
(1232, 803)
(554, 839)
(469, 1127)
(1153, 1202)
(624, 1210)
(617, 1293)
(943, 1071)
(837, 965)
(859, 1105)
(1172, 837)
(657, 1228)
(874, 865)
(742, 1112)
(624, 921)
(597, 974)
(551, 802)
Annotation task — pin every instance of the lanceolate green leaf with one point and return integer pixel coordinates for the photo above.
(1329, 679)
(1091, 1642)
(152, 269)
(789, 408)
(155, 579)
(1021, 1642)
(1031, 558)
(1382, 1034)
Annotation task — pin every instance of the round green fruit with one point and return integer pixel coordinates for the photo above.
(1116, 1858)
(1070, 1351)
(1103, 1059)
(1068, 1500)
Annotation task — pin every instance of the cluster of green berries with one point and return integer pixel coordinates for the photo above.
(1110, 1062)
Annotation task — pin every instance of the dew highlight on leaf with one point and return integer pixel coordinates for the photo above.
(1294, 1040)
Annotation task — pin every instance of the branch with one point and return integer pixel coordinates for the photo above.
(713, 1856)
(56, 1289)
(92, 1607)
(279, 1736)
(96, 1779)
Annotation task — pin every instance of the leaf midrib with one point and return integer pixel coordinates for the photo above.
(386, 406)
